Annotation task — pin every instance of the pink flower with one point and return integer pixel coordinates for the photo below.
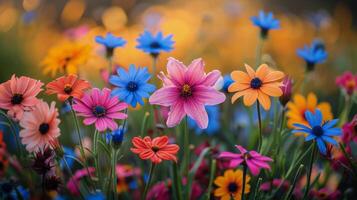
(287, 90)
(350, 131)
(325, 194)
(348, 82)
(252, 159)
(99, 108)
(73, 183)
(40, 126)
(275, 183)
(186, 90)
(18, 95)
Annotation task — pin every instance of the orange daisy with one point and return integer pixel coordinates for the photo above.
(67, 86)
(259, 85)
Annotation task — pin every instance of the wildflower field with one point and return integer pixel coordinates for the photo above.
(178, 100)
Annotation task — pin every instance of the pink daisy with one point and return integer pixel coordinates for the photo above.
(99, 108)
(186, 90)
(18, 95)
(40, 126)
(252, 159)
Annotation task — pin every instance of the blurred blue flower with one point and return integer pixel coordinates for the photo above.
(154, 44)
(132, 86)
(70, 161)
(29, 17)
(110, 41)
(314, 54)
(133, 185)
(213, 121)
(116, 137)
(321, 132)
(65, 108)
(266, 22)
(25, 194)
(227, 81)
(95, 196)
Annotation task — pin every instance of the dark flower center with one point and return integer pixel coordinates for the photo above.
(355, 128)
(255, 83)
(44, 128)
(186, 91)
(99, 111)
(17, 99)
(317, 131)
(67, 89)
(155, 45)
(132, 86)
(232, 187)
(155, 149)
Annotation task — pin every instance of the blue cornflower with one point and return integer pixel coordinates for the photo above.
(95, 196)
(70, 161)
(132, 86)
(116, 137)
(110, 42)
(317, 130)
(266, 22)
(213, 121)
(227, 81)
(154, 45)
(314, 54)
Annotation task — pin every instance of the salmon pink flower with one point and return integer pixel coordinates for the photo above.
(67, 86)
(18, 95)
(252, 159)
(99, 108)
(186, 90)
(40, 126)
(156, 150)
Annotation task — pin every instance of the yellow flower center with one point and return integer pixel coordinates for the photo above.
(186, 91)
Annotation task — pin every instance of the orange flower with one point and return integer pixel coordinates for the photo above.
(67, 86)
(259, 85)
(156, 150)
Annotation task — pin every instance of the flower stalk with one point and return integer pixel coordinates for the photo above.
(307, 189)
(151, 173)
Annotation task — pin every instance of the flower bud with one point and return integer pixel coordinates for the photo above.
(287, 90)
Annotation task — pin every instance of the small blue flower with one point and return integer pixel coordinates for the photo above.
(321, 132)
(70, 161)
(132, 86)
(65, 108)
(314, 54)
(110, 41)
(95, 196)
(213, 121)
(155, 44)
(266, 22)
(25, 194)
(227, 81)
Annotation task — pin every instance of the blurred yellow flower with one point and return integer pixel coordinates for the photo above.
(65, 58)
(300, 104)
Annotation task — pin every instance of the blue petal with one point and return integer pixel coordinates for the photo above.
(333, 132)
(318, 117)
(329, 124)
(310, 137)
(329, 140)
(301, 130)
(321, 145)
(301, 126)
(310, 118)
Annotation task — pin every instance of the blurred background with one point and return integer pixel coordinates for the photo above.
(220, 31)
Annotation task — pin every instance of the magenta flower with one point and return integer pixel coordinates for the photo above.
(348, 82)
(186, 90)
(252, 159)
(99, 108)
(287, 90)
(350, 131)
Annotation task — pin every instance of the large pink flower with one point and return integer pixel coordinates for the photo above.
(252, 159)
(18, 95)
(186, 90)
(40, 126)
(99, 108)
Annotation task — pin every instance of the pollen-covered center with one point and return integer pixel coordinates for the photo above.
(317, 131)
(99, 111)
(186, 91)
(44, 128)
(255, 83)
(232, 187)
(132, 86)
(67, 89)
(155, 45)
(17, 99)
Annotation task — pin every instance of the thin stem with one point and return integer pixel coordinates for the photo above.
(143, 125)
(71, 175)
(211, 177)
(259, 51)
(244, 179)
(152, 167)
(177, 181)
(154, 63)
(291, 190)
(256, 191)
(114, 178)
(260, 141)
(187, 148)
(96, 155)
(310, 169)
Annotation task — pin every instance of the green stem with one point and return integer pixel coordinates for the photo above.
(143, 125)
(96, 155)
(291, 190)
(177, 181)
(259, 51)
(244, 179)
(152, 167)
(187, 148)
(310, 169)
(256, 191)
(114, 178)
(71, 175)
(211, 177)
(260, 141)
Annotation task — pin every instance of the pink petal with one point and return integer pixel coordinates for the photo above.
(100, 125)
(241, 149)
(176, 70)
(260, 164)
(177, 112)
(117, 115)
(211, 78)
(253, 168)
(90, 120)
(231, 155)
(195, 72)
(208, 95)
(235, 162)
(197, 112)
(165, 96)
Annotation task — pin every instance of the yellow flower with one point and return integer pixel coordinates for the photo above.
(300, 104)
(230, 184)
(65, 58)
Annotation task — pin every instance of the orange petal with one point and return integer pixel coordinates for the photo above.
(262, 71)
(234, 87)
(237, 95)
(240, 77)
(264, 100)
(273, 76)
(272, 89)
(250, 97)
(300, 101)
(311, 101)
(325, 109)
(250, 71)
